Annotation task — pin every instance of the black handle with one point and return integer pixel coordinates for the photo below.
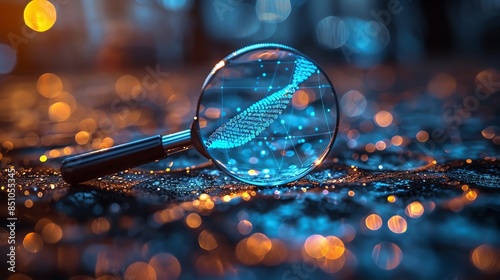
(95, 164)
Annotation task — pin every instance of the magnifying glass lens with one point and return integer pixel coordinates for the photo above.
(267, 115)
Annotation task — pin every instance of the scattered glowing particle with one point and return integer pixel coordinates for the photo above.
(193, 220)
(140, 270)
(49, 85)
(373, 222)
(207, 241)
(380, 145)
(351, 193)
(100, 225)
(383, 118)
(422, 136)
(82, 138)
(391, 198)
(52, 233)
(40, 15)
(397, 224)
(166, 266)
(471, 195)
(336, 248)
(8, 145)
(33, 242)
(469, 161)
(397, 140)
(245, 227)
(28, 203)
(259, 244)
(128, 87)
(414, 209)
(370, 148)
(489, 132)
(226, 198)
(204, 197)
(59, 112)
(380, 166)
(387, 255)
(485, 258)
(434, 162)
(465, 187)
(316, 246)
(252, 172)
(43, 158)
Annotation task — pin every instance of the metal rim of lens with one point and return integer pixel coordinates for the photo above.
(244, 50)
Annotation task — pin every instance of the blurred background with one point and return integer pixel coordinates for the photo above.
(92, 35)
(409, 190)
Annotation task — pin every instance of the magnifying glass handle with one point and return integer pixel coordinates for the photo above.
(95, 164)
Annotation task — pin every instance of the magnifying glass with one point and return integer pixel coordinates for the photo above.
(267, 115)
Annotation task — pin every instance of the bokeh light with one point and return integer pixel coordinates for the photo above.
(166, 266)
(8, 59)
(273, 10)
(49, 85)
(332, 32)
(373, 222)
(33, 242)
(353, 103)
(387, 255)
(40, 15)
(140, 270)
(383, 118)
(485, 258)
(414, 209)
(397, 224)
(59, 112)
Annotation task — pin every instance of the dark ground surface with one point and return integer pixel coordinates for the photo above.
(199, 223)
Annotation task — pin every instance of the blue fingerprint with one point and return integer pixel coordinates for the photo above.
(250, 123)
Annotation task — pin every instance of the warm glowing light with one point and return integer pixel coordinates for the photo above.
(383, 118)
(316, 246)
(370, 148)
(226, 198)
(43, 158)
(489, 132)
(336, 248)
(49, 85)
(207, 241)
(351, 193)
(387, 255)
(59, 112)
(300, 100)
(471, 195)
(28, 203)
(380, 145)
(331, 265)
(397, 224)
(107, 142)
(166, 266)
(442, 85)
(277, 254)
(469, 161)
(140, 270)
(193, 220)
(397, 140)
(422, 136)
(485, 258)
(373, 222)
(252, 172)
(259, 244)
(82, 137)
(33, 242)
(245, 227)
(128, 87)
(40, 15)
(100, 225)
(391, 198)
(52, 233)
(204, 197)
(414, 209)
(8, 145)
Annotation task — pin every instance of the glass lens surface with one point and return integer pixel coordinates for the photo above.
(267, 115)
